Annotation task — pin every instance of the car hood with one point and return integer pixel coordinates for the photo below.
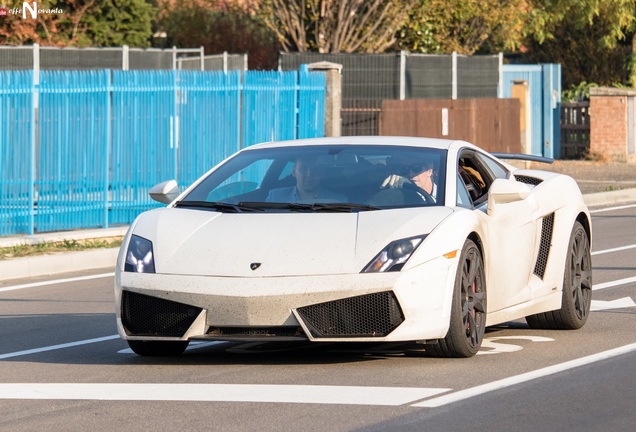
(194, 242)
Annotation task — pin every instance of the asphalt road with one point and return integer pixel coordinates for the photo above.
(62, 367)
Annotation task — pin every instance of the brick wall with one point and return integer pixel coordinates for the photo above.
(609, 122)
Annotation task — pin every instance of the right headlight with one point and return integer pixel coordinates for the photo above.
(394, 255)
(139, 256)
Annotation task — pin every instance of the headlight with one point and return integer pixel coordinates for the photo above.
(139, 257)
(393, 257)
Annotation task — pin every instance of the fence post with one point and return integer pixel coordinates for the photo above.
(174, 57)
(125, 60)
(333, 96)
(107, 147)
(225, 62)
(454, 75)
(402, 75)
(202, 58)
(500, 84)
(34, 136)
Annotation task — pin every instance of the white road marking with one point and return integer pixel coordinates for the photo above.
(56, 281)
(57, 347)
(613, 208)
(493, 347)
(518, 379)
(618, 249)
(612, 284)
(620, 303)
(341, 395)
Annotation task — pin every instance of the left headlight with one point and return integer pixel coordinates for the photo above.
(139, 256)
(394, 255)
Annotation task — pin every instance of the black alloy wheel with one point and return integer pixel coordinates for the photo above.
(468, 313)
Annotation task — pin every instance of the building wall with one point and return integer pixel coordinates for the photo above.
(612, 122)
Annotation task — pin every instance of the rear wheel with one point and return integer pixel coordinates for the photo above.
(577, 287)
(468, 313)
(158, 348)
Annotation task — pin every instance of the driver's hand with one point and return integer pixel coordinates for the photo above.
(395, 181)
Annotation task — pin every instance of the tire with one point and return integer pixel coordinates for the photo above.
(158, 348)
(577, 288)
(468, 310)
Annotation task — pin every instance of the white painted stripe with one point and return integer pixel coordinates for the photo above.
(621, 303)
(57, 347)
(611, 284)
(56, 281)
(618, 249)
(539, 373)
(341, 395)
(613, 208)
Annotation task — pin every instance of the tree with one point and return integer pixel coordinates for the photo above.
(333, 26)
(464, 26)
(218, 26)
(82, 23)
(591, 47)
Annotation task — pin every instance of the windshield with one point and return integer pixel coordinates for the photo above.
(323, 178)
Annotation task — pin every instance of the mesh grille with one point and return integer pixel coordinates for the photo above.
(544, 247)
(528, 180)
(144, 315)
(257, 331)
(372, 315)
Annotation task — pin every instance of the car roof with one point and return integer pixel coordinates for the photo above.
(442, 144)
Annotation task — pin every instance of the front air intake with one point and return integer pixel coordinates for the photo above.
(144, 315)
(371, 315)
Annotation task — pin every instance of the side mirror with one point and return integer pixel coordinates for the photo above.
(504, 191)
(165, 192)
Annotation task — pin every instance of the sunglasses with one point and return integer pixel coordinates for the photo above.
(412, 169)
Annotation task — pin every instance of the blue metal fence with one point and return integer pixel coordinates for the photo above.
(16, 151)
(82, 149)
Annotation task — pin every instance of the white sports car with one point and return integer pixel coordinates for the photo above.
(355, 239)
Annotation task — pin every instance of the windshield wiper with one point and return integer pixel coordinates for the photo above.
(313, 207)
(218, 206)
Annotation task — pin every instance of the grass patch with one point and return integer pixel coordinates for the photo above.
(24, 250)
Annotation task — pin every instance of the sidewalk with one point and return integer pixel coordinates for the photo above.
(603, 184)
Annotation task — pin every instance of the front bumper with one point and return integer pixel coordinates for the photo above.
(399, 306)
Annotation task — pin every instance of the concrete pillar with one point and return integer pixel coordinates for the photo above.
(333, 95)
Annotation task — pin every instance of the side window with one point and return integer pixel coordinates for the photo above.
(494, 166)
(463, 197)
(475, 176)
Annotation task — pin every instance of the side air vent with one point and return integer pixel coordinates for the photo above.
(144, 315)
(528, 180)
(371, 315)
(547, 225)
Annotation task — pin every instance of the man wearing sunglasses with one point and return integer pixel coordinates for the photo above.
(418, 174)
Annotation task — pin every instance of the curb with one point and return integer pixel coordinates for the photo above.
(600, 199)
(44, 265)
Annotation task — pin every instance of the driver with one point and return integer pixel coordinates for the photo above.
(419, 174)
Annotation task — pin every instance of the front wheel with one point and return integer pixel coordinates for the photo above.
(158, 348)
(577, 287)
(468, 313)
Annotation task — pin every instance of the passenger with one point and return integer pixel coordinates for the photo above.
(308, 189)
